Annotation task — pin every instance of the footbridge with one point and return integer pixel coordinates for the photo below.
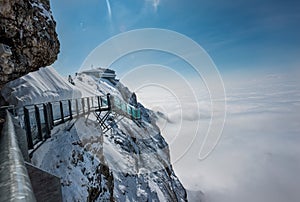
(39, 119)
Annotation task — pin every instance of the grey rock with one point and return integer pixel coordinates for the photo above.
(27, 27)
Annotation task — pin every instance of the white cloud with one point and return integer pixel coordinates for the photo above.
(108, 8)
(154, 3)
(258, 157)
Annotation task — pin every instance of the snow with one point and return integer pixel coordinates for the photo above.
(44, 85)
(64, 156)
(87, 85)
(156, 189)
(46, 14)
(55, 159)
(36, 87)
(60, 155)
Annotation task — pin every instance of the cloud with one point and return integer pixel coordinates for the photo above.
(258, 157)
(154, 3)
(108, 8)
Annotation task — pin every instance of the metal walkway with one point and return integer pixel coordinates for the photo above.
(39, 119)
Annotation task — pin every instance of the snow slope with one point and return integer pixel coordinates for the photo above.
(43, 86)
(130, 162)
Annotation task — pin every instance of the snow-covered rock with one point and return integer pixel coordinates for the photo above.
(130, 162)
(45, 85)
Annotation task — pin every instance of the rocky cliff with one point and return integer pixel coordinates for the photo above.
(28, 39)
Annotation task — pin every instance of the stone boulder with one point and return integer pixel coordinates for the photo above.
(28, 39)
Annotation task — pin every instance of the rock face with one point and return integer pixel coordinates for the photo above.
(28, 39)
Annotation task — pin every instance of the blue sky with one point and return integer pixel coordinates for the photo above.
(259, 148)
(238, 35)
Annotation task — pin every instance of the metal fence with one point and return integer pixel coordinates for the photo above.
(39, 119)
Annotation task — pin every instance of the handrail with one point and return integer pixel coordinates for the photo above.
(41, 103)
(15, 184)
(38, 119)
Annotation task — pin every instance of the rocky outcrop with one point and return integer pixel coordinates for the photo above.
(28, 39)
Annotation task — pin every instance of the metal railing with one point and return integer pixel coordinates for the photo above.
(15, 184)
(39, 119)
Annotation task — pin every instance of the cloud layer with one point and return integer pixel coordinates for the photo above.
(258, 156)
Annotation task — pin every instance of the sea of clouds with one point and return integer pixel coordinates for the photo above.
(257, 157)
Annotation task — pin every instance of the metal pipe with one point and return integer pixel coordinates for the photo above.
(15, 184)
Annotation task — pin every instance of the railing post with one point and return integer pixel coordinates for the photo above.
(88, 104)
(70, 109)
(82, 103)
(61, 112)
(76, 106)
(92, 102)
(38, 122)
(46, 117)
(99, 104)
(28, 128)
(108, 101)
(51, 115)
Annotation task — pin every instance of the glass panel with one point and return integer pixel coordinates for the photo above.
(33, 125)
(128, 110)
(56, 110)
(66, 108)
(138, 113)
